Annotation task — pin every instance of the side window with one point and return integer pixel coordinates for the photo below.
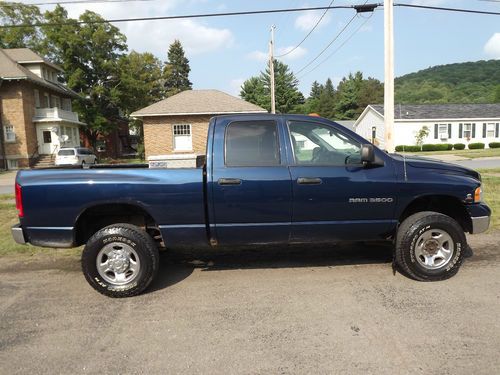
(318, 144)
(252, 144)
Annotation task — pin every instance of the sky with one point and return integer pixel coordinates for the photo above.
(224, 51)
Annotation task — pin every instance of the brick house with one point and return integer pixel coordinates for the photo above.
(36, 113)
(179, 124)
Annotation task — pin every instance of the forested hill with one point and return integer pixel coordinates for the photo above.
(470, 82)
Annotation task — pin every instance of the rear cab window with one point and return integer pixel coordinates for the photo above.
(252, 144)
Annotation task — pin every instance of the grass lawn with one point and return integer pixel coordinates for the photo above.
(8, 217)
(473, 154)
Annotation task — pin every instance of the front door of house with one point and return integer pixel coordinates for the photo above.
(46, 138)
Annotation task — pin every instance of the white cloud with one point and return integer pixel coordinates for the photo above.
(297, 53)
(156, 36)
(264, 56)
(235, 86)
(307, 20)
(492, 46)
(258, 56)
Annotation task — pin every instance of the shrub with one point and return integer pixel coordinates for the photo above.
(494, 145)
(401, 148)
(450, 146)
(476, 146)
(459, 146)
(435, 147)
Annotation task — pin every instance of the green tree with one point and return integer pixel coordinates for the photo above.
(326, 102)
(316, 90)
(89, 54)
(176, 71)
(257, 90)
(19, 37)
(496, 98)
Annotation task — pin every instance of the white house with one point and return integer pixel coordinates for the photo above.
(447, 123)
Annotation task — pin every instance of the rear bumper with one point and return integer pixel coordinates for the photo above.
(480, 224)
(18, 235)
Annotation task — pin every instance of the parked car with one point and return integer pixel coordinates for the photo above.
(75, 156)
(267, 179)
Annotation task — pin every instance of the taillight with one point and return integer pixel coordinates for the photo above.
(19, 201)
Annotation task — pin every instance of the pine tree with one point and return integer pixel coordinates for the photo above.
(287, 95)
(316, 89)
(176, 72)
(326, 103)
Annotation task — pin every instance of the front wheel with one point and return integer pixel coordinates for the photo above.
(430, 246)
(120, 260)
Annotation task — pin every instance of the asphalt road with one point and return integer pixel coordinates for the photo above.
(479, 163)
(288, 310)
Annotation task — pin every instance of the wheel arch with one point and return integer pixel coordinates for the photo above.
(97, 216)
(444, 204)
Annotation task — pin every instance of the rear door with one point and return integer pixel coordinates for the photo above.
(335, 197)
(250, 181)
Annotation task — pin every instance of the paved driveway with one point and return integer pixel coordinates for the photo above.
(480, 163)
(320, 310)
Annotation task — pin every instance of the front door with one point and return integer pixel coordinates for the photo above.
(46, 139)
(335, 197)
(251, 187)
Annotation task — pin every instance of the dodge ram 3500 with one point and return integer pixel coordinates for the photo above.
(265, 179)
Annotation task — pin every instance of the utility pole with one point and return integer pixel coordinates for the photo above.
(271, 69)
(389, 75)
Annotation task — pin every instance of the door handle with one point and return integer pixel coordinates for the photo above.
(309, 181)
(229, 181)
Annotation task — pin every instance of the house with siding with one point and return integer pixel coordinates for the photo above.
(36, 115)
(179, 124)
(447, 123)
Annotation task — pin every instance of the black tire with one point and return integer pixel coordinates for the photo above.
(127, 237)
(407, 249)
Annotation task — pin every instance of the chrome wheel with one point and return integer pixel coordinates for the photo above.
(118, 263)
(434, 249)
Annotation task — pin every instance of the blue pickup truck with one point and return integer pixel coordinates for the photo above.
(265, 179)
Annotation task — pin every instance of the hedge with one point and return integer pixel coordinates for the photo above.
(459, 146)
(494, 145)
(476, 146)
(401, 148)
(436, 147)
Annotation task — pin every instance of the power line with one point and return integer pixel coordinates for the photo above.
(338, 48)
(460, 10)
(73, 2)
(328, 45)
(200, 15)
(309, 33)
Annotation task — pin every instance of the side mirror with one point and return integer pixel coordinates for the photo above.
(367, 154)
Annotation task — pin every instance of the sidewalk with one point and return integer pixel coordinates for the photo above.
(7, 182)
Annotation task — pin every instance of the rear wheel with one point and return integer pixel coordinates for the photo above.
(120, 260)
(430, 246)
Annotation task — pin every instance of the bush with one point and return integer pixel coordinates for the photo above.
(494, 145)
(435, 147)
(459, 146)
(401, 148)
(450, 146)
(476, 146)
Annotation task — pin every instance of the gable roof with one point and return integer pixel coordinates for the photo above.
(25, 55)
(199, 102)
(441, 111)
(10, 69)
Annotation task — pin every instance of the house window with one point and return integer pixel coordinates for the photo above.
(467, 130)
(47, 136)
(490, 130)
(37, 99)
(443, 131)
(183, 140)
(66, 104)
(56, 101)
(46, 101)
(10, 136)
(12, 164)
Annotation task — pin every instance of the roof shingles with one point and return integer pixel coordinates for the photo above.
(442, 111)
(199, 102)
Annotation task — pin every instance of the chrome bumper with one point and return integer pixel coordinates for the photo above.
(480, 224)
(18, 235)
